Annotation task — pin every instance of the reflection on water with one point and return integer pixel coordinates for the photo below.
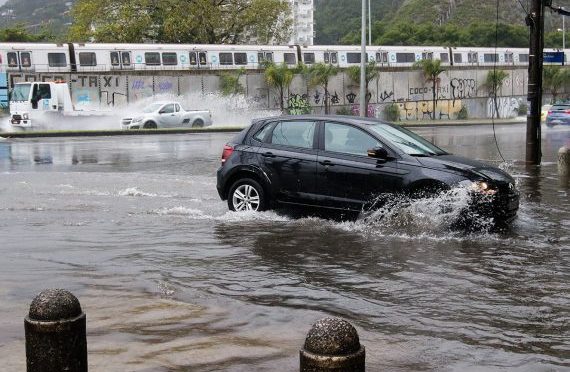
(172, 281)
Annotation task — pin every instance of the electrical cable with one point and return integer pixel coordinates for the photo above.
(494, 82)
(522, 6)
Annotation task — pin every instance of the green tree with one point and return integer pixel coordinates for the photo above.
(320, 74)
(279, 77)
(555, 78)
(370, 74)
(180, 21)
(494, 83)
(230, 84)
(431, 69)
(19, 33)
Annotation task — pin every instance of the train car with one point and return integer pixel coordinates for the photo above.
(91, 57)
(34, 57)
(462, 56)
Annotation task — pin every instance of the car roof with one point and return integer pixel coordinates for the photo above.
(357, 120)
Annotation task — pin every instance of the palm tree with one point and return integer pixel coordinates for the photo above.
(494, 83)
(371, 73)
(320, 74)
(280, 78)
(555, 78)
(431, 69)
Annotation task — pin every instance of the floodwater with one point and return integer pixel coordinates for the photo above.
(172, 281)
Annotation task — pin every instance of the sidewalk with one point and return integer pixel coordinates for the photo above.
(468, 122)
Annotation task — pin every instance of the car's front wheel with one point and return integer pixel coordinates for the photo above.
(247, 195)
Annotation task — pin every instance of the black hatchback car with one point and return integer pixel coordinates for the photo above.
(344, 163)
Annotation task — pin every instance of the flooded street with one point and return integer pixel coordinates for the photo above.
(172, 281)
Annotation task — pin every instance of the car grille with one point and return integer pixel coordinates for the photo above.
(126, 121)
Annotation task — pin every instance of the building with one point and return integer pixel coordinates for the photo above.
(303, 22)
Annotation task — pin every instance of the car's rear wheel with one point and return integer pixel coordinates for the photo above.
(247, 195)
(198, 123)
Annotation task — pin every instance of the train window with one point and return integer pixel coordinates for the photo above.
(12, 59)
(240, 58)
(327, 57)
(115, 58)
(405, 57)
(490, 57)
(427, 55)
(202, 56)
(457, 58)
(226, 59)
(126, 56)
(444, 57)
(87, 59)
(509, 57)
(57, 60)
(353, 57)
(169, 59)
(382, 57)
(523, 58)
(264, 57)
(309, 58)
(334, 57)
(290, 58)
(193, 59)
(472, 57)
(152, 58)
(25, 59)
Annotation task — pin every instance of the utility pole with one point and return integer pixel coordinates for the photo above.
(363, 61)
(535, 20)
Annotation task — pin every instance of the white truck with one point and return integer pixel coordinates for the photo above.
(45, 105)
(168, 114)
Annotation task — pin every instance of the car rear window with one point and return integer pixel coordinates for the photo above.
(560, 107)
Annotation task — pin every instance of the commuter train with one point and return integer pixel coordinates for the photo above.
(87, 57)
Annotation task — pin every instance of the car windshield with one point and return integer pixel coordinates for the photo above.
(153, 108)
(407, 141)
(21, 92)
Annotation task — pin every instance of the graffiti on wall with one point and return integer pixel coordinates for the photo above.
(298, 104)
(422, 110)
(508, 107)
(462, 89)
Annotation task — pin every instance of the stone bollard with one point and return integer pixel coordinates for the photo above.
(332, 345)
(564, 161)
(56, 337)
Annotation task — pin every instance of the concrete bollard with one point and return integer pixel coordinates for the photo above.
(564, 161)
(332, 344)
(56, 337)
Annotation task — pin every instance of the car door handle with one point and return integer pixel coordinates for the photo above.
(327, 163)
(268, 155)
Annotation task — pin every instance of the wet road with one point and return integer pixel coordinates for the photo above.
(171, 281)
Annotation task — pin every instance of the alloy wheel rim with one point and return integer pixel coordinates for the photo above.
(246, 198)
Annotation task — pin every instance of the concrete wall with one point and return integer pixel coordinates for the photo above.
(408, 89)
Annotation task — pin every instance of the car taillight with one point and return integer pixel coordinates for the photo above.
(567, 111)
(228, 150)
(549, 112)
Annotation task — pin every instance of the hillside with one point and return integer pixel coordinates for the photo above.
(336, 20)
(387, 13)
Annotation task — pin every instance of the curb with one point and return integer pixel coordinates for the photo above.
(228, 129)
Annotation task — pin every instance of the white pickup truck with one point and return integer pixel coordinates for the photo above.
(167, 115)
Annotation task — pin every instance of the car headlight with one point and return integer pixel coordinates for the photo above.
(138, 119)
(481, 187)
(25, 116)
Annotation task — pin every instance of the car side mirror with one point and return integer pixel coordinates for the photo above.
(161, 112)
(378, 153)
